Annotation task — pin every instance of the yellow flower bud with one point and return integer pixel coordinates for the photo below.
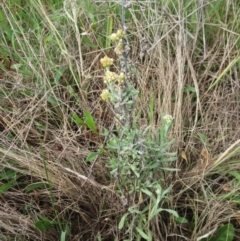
(114, 37)
(121, 77)
(106, 62)
(168, 119)
(120, 33)
(119, 48)
(105, 95)
(110, 76)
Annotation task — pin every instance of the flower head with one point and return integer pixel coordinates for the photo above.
(114, 37)
(121, 77)
(105, 95)
(119, 48)
(110, 76)
(117, 36)
(120, 33)
(167, 119)
(106, 62)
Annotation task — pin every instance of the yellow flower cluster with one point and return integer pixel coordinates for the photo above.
(117, 36)
(119, 48)
(105, 95)
(110, 76)
(106, 62)
(168, 119)
(121, 77)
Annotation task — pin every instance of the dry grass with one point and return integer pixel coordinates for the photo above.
(41, 143)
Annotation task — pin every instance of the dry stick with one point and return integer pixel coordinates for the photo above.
(208, 234)
(198, 105)
(225, 154)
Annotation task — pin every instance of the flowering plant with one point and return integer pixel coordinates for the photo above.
(138, 157)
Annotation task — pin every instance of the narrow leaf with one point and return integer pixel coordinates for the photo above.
(58, 75)
(88, 42)
(38, 185)
(203, 138)
(63, 236)
(189, 89)
(147, 192)
(91, 156)
(109, 31)
(6, 186)
(7, 175)
(77, 119)
(122, 221)
(224, 233)
(154, 212)
(180, 219)
(144, 235)
(235, 174)
(173, 212)
(43, 225)
(89, 121)
(52, 100)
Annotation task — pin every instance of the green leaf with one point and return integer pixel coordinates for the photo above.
(144, 235)
(2, 94)
(89, 121)
(149, 235)
(48, 38)
(52, 100)
(40, 125)
(109, 31)
(180, 219)
(99, 237)
(6, 186)
(122, 221)
(235, 174)
(235, 201)
(189, 89)
(26, 93)
(135, 170)
(91, 156)
(7, 174)
(63, 236)
(173, 212)
(203, 138)
(37, 185)
(134, 210)
(77, 119)
(146, 191)
(59, 73)
(153, 166)
(73, 94)
(164, 192)
(224, 233)
(43, 224)
(154, 212)
(86, 41)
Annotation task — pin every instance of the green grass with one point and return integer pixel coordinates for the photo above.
(52, 120)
